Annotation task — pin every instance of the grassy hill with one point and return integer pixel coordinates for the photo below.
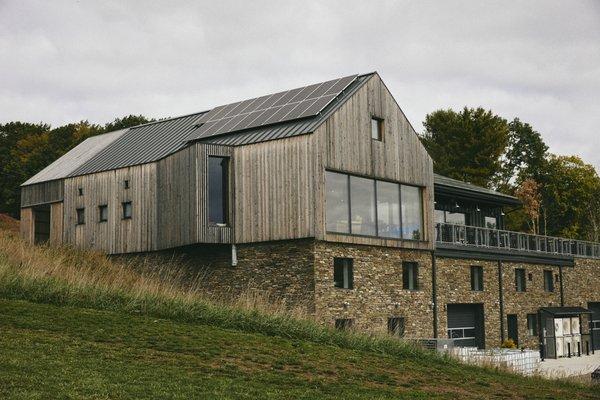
(76, 325)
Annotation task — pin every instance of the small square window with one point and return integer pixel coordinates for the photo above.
(127, 210)
(80, 216)
(344, 324)
(343, 274)
(530, 277)
(376, 128)
(410, 276)
(396, 326)
(126, 184)
(477, 278)
(532, 324)
(103, 211)
(80, 191)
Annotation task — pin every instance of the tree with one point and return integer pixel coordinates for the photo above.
(466, 145)
(126, 122)
(529, 194)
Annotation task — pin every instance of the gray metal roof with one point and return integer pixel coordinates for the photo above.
(75, 158)
(153, 141)
(440, 180)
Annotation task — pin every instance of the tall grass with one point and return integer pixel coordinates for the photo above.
(73, 277)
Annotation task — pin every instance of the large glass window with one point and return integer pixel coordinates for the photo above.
(218, 189)
(337, 199)
(491, 222)
(412, 213)
(362, 206)
(388, 209)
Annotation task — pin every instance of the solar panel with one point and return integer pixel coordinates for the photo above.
(271, 109)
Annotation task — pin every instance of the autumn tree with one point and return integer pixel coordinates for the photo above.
(529, 193)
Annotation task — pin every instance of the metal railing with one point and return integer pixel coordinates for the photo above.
(509, 240)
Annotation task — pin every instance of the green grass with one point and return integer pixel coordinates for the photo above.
(51, 352)
(75, 325)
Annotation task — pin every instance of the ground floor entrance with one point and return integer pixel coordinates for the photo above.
(41, 223)
(465, 325)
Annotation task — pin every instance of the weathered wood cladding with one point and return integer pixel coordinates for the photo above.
(56, 223)
(42, 193)
(344, 143)
(27, 224)
(117, 235)
(274, 190)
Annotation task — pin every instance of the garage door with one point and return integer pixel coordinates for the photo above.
(595, 309)
(465, 324)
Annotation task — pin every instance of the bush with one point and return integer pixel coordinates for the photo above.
(508, 344)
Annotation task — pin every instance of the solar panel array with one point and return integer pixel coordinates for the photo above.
(271, 109)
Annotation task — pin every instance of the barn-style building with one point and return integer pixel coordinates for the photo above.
(325, 197)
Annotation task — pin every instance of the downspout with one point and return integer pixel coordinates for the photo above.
(434, 295)
(560, 277)
(501, 300)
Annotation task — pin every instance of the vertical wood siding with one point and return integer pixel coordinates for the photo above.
(27, 224)
(42, 193)
(117, 235)
(56, 223)
(345, 144)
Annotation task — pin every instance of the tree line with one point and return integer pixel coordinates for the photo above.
(560, 194)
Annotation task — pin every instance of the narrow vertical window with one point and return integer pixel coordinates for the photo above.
(520, 280)
(218, 189)
(80, 191)
(80, 216)
(126, 184)
(103, 211)
(396, 326)
(376, 128)
(548, 282)
(388, 209)
(410, 276)
(343, 273)
(532, 324)
(476, 278)
(412, 212)
(127, 210)
(338, 208)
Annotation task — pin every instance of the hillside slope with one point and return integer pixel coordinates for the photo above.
(76, 325)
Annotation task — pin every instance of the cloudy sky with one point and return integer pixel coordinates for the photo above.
(64, 61)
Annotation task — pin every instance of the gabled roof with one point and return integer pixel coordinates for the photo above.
(454, 187)
(307, 108)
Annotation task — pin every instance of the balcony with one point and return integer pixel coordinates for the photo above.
(495, 239)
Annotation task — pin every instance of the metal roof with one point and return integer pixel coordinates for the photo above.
(75, 158)
(153, 141)
(463, 187)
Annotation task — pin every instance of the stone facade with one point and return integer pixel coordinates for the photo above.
(582, 283)
(378, 292)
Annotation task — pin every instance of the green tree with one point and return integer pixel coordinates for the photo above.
(126, 122)
(467, 145)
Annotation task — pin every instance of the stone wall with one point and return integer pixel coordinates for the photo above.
(378, 293)
(582, 282)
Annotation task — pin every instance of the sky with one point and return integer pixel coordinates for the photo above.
(63, 61)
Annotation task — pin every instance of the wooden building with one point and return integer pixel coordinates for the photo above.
(323, 194)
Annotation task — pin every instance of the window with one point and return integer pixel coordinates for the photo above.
(80, 216)
(476, 278)
(532, 324)
(396, 326)
(412, 212)
(343, 324)
(376, 128)
(520, 280)
(456, 218)
(103, 211)
(440, 216)
(127, 210)
(218, 189)
(126, 184)
(343, 274)
(80, 191)
(388, 209)
(530, 277)
(410, 276)
(371, 207)
(491, 222)
(338, 211)
(548, 282)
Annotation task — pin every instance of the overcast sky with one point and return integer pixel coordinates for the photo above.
(64, 61)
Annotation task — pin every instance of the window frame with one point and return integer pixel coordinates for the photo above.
(477, 285)
(347, 271)
(126, 184)
(344, 324)
(549, 283)
(102, 207)
(532, 329)
(225, 187)
(396, 326)
(377, 122)
(520, 273)
(124, 214)
(80, 216)
(410, 269)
